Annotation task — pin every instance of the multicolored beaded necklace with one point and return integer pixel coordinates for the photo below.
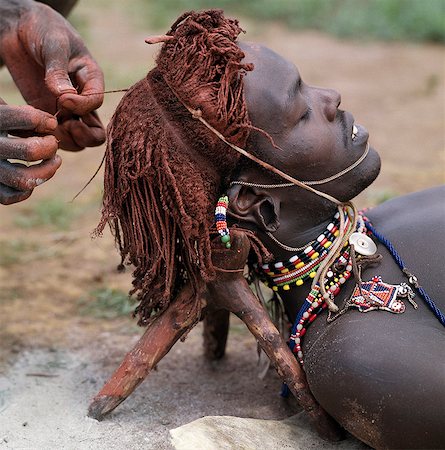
(337, 274)
(303, 265)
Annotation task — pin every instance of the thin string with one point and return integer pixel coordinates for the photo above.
(307, 183)
(103, 158)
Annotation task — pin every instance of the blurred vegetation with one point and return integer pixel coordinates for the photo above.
(15, 251)
(419, 20)
(106, 303)
(53, 212)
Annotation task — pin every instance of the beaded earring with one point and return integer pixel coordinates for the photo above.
(221, 220)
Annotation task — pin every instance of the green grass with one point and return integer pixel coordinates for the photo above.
(417, 20)
(106, 303)
(15, 251)
(52, 212)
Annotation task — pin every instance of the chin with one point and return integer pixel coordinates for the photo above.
(360, 178)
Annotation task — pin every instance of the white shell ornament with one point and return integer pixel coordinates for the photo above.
(362, 244)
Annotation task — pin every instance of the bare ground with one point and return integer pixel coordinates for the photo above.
(53, 357)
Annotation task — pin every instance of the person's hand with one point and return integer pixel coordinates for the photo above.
(17, 181)
(55, 73)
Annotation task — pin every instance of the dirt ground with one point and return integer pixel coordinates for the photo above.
(49, 345)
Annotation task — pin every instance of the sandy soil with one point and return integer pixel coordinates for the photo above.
(53, 358)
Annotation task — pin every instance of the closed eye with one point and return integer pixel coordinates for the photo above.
(307, 113)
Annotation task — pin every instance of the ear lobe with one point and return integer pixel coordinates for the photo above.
(254, 206)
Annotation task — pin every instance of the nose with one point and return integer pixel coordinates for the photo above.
(331, 100)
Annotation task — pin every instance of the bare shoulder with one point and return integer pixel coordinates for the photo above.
(411, 213)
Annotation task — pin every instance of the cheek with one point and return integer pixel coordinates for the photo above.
(312, 150)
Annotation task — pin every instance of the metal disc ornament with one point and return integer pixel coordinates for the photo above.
(362, 244)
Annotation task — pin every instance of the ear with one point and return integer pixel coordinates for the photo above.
(254, 206)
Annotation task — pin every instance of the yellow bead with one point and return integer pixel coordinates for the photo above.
(315, 255)
(284, 270)
(312, 274)
(274, 288)
(327, 244)
(336, 233)
(299, 265)
(299, 282)
(286, 287)
(270, 273)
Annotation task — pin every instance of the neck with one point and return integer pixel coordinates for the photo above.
(299, 225)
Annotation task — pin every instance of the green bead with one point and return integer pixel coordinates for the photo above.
(228, 245)
(225, 238)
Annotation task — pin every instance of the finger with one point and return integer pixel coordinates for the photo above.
(90, 85)
(55, 58)
(78, 134)
(29, 149)
(26, 118)
(8, 195)
(24, 178)
(66, 141)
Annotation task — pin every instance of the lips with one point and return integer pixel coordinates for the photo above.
(359, 134)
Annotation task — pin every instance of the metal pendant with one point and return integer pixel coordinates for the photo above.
(363, 244)
(375, 294)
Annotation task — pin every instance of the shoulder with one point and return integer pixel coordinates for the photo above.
(411, 212)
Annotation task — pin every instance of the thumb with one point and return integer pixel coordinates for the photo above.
(55, 56)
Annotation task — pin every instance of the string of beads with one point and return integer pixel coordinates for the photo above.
(221, 220)
(303, 265)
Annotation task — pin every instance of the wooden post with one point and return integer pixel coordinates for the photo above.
(231, 291)
(154, 344)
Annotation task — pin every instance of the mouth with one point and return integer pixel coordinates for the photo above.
(354, 132)
(359, 134)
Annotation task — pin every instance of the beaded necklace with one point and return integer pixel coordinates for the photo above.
(337, 274)
(303, 265)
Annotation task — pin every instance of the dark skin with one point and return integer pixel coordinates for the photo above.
(62, 85)
(379, 374)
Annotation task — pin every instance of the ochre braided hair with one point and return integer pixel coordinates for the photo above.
(164, 170)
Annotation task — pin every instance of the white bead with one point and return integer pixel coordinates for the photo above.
(314, 304)
(306, 315)
(320, 238)
(278, 265)
(342, 280)
(300, 354)
(326, 296)
(330, 274)
(297, 340)
(299, 327)
(349, 267)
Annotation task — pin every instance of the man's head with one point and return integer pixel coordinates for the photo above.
(165, 170)
(313, 140)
